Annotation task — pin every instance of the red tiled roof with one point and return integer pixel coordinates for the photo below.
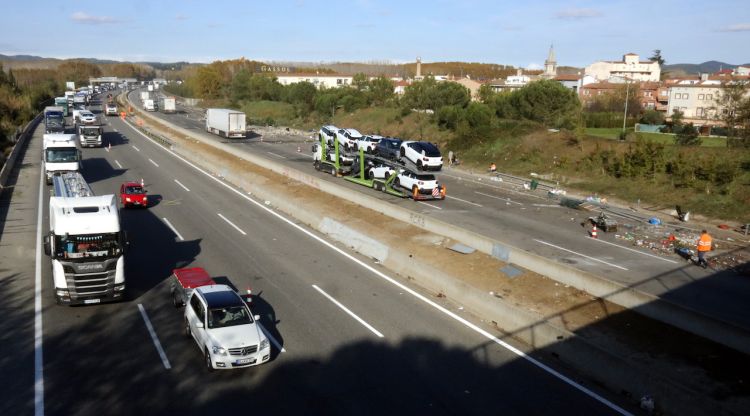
(568, 77)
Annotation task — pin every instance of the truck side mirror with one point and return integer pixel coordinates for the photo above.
(47, 246)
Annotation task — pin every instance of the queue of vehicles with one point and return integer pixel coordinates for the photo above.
(383, 163)
(86, 245)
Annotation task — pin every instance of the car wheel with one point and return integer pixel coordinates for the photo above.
(356, 148)
(402, 153)
(186, 330)
(419, 165)
(387, 176)
(397, 183)
(209, 364)
(370, 174)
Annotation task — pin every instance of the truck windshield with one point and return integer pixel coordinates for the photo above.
(61, 154)
(229, 316)
(90, 132)
(87, 246)
(55, 120)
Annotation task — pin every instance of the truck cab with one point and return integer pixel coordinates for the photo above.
(60, 154)
(90, 136)
(85, 243)
(54, 120)
(221, 324)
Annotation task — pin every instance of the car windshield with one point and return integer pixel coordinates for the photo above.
(426, 177)
(134, 190)
(228, 316)
(430, 150)
(393, 144)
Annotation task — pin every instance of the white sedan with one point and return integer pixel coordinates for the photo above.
(87, 117)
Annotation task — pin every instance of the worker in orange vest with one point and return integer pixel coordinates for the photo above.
(704, 246)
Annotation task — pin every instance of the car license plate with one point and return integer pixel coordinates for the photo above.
(246, 361)
(89, 301)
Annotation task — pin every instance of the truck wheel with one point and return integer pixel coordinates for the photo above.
(209, 365)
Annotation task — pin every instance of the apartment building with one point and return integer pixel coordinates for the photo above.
(698, 99)
(319, 80)
(630, 68)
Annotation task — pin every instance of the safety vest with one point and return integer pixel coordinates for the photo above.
(704, 244)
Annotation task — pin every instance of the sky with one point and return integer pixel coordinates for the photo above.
(517, 33)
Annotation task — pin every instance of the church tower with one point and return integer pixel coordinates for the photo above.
(550, 65)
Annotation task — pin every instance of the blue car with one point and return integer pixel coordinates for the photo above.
(388, 147)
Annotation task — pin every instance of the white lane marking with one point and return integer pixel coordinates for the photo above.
(635, 251)
(174, 230)
(230, 223)
(183, 186)
(118, 164)
(155, 164)
(137, 149)
(107, 149)
(352, 314)
(277, 155)
(154, 338)
(506, 199)
(463, 200)
(401, 286)
(579, 254)
(38, 333)
(429, 205)
(546, 205)
(271, 338)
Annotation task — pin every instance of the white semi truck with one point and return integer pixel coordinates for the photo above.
(90, 136)
(85, 243)
(60, 154)
(149, 105)
(225, 122)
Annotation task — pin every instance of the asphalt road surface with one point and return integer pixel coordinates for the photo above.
(533, 223)
(348, 338)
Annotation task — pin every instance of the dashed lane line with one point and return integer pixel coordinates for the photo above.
(580, 254)
(350, 313)
(232, 224)
(154, 338)
(183, 186)
(174, 230)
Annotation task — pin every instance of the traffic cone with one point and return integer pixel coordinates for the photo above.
(299, 148)
(593, 232)
(143, 185)
(249, 298)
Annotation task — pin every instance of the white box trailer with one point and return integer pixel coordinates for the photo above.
(225, 122)
(168, 105)
(149, 105)
(145, 95)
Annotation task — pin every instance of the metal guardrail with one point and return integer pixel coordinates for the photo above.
(23, 139)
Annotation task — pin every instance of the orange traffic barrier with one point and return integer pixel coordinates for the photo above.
(442, 192)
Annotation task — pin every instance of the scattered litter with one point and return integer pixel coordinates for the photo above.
(654, 221)
(511, 271)
(723, 226)
(461, 248)
(267, 202)
(460, 308)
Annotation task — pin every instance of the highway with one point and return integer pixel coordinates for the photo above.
(533, 223)
(348, 338)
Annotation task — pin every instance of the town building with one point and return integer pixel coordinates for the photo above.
(319, 80)
(647, 92)
(630, 68)
(570, 81)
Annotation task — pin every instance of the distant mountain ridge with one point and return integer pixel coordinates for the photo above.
(706, 67)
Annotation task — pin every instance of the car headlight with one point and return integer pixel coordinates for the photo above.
(219, 350)
(264, 344)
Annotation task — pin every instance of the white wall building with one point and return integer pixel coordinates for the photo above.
(631, 68)
(742, 70)
(319, 80)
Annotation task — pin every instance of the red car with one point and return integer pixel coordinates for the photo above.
(133, 194)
